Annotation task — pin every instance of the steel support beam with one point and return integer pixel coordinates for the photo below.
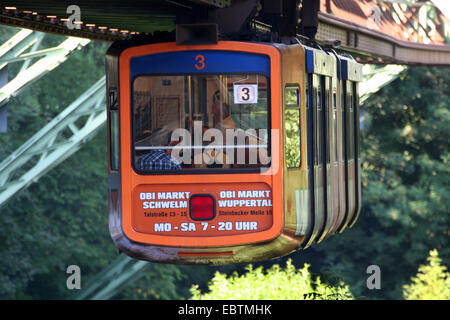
(116, 276)
(17, 44)
(13, 50)
(377, 77)
(4, 110)
(55, 142)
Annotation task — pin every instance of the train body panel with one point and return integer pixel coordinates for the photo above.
(293, 80)
(284, 180)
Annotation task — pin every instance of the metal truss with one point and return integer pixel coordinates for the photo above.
(23, 47)
(116, 276)
(14, 51)
(375, 77)
(55, 142)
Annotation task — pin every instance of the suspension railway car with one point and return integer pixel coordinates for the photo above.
(229, 153)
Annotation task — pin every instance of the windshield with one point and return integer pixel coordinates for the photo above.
(185, 122)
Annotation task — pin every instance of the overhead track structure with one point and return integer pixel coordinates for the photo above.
(380, 31)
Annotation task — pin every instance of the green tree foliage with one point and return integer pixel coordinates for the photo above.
(432, 282)
(159, 283)
(273, 284)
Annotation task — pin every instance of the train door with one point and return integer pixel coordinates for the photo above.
(350, 147)
(333, 133)
(338, 101)
(320, 71)
(297, 209)
(325, 67)
(357, 158)
(351, 75)
(312, 97)
(319, 150)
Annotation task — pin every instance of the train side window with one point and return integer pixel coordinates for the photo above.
(114, 129)
(314, 120)
(114, 139)
(307, 96)
(319, 124)
(352, 126)
(344, 116)
(349, 121)
(327, 123)
(292, 126)
(335, 126)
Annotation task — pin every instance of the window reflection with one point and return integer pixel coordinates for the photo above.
(200, 122)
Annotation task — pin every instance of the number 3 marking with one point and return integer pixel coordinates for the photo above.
(200, 62)
(246, 94)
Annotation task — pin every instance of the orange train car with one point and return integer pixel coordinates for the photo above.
(230, 152)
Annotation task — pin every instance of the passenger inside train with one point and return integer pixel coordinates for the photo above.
(216, 126)
(159, 157)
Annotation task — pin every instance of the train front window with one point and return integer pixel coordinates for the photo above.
(185, 122)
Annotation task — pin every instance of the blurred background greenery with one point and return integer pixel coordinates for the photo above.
(62, 220)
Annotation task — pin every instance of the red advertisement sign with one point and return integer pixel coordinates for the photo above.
(203, 210)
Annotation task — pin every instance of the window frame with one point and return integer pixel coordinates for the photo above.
(191, 171)
(299, 108)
